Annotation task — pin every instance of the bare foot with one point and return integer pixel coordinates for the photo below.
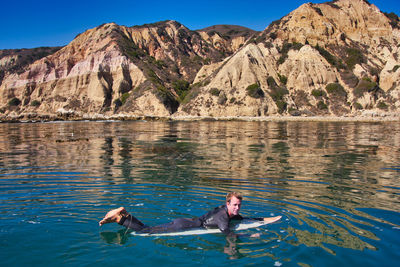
(272, 219)
(113, 216)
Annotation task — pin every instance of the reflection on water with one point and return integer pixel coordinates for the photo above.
(336, 184)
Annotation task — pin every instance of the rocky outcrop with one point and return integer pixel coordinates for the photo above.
(111, 69)
(84, 76)
(226, 38)
(16, 60)
(339, 58)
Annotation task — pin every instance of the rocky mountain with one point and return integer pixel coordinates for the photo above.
(17, 59)
(142, 70)
(226, 38)
(339, 58)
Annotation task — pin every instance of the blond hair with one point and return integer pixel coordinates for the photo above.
(233, 194)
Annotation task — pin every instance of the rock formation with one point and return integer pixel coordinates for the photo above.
(339, 58)
(111, 69)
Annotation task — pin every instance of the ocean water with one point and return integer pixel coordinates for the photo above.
(337, 186)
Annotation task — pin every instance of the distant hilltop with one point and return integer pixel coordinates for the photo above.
(334, 59)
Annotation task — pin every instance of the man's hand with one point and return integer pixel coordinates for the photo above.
(114, 216)
(267, 220)
(272, 219)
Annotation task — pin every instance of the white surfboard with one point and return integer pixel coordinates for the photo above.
(243, 225)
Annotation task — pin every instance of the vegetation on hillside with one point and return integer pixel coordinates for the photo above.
(21, 58)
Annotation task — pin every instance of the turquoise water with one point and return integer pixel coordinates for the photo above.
(335, 184)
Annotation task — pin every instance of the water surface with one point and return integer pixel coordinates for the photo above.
(335, 184)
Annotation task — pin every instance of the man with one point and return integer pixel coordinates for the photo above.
(217, 218)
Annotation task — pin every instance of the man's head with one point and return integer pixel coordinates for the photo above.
(233, 203)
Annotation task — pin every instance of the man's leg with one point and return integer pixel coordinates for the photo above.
(176, 225)
(122, 217)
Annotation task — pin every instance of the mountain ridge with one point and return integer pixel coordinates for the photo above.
(306, 63)
(339, 58)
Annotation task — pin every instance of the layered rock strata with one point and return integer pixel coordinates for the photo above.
(339, 58)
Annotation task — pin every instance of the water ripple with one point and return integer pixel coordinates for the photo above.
(336, 189)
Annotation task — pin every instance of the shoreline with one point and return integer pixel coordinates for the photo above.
(36, 118)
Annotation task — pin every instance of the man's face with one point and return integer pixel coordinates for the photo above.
(234, 206)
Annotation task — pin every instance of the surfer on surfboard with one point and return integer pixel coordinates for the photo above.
(217, 218)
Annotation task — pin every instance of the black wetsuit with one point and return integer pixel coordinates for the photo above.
(217, 218)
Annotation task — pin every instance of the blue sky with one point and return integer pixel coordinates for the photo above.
(27, 24)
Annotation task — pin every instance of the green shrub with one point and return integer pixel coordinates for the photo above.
(330, 58)
(282, 79)
(14, 102)
(278, 93)
(166, 97)
(271, 82)
(382, 105)
(153, 76)
(130, 48)
(222, 99)
(189, 96)
(180, 85)
(252, 40)
(282, 105)
(124, 97)
(282, 59)
(297, 46)
(260, 39)
(321, 105)
(358, 106)
(285, 50)
(364, 86)
(394, 19)
(198, 59)
(317, 93)
(214, 92)
(336, 89)
(206, 82)
(182, 88)
(35, 103)
(232, 100)
(206, 61)
(254, 91)
(160, 64)
(354, 57)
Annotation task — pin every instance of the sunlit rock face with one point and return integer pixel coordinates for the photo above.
(339, 58)
(113, 69)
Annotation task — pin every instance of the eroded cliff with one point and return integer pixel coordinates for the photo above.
(339, 58)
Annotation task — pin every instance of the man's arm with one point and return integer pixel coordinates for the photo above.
(272, 219)
(114, 215)
(222, 220)
(265, 219)
(223, 225)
